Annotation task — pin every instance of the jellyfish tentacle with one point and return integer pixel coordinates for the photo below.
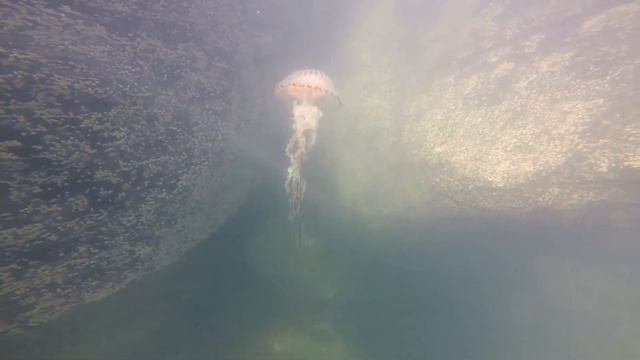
(295, 184)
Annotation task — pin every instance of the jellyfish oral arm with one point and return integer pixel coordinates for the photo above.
(305, 118)
(305, 122)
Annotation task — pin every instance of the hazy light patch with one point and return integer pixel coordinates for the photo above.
(620, 16)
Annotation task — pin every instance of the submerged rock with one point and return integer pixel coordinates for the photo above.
(116, 131)
(489, 105)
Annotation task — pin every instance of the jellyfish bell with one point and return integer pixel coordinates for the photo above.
(308, 86)
(306, 91)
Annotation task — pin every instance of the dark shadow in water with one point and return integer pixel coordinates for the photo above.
(206, 305)
(444, 300)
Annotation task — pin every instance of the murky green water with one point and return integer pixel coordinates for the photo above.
(460, 288)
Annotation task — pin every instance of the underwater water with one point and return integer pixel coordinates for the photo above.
(167, 191)
(462, 288)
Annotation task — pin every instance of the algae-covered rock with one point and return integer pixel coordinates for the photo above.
(116, 130)
(494, 105)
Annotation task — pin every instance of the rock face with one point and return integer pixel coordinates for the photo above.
(116, 131)
(490, 105)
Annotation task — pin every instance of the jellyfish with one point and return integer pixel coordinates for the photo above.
(305, 91)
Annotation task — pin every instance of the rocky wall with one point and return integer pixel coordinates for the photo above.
(117, 128)
(488, 106)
